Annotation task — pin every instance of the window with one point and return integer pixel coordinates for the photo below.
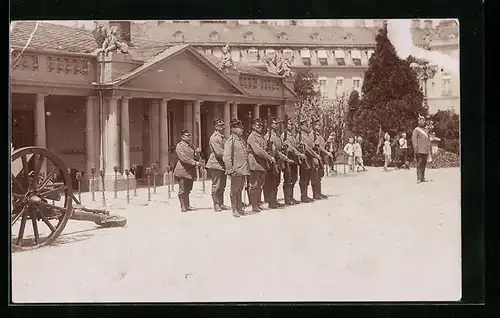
(287, 53)
(369, 53)
(236, 55)
(270, 53)
(214, 36)
(356, 84)
(339, 86)
(282, 36)
(356, 57)
(305, 55)
(340, 57)
(446, 85)
(248, 36)
(322, 57)
(323, 88)
(253, 55)
(178, 36)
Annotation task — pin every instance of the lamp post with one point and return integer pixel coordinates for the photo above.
(425, 72)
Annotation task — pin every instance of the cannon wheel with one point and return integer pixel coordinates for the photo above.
(34, 197)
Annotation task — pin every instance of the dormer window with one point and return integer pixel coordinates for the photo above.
(214, 36)
(315, 37)
(249, 36)
(349, 37)
(340, 57)
(253, 55)
(356, 57)
(209, 51)
(282, 36)
(236, 55)
(369, 54)
(178, 36)
(323, 57)
(287, 53)
(305, 55)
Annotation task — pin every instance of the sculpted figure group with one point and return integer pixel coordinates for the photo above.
(259, 162)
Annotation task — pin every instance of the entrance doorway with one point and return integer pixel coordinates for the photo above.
(23, 128)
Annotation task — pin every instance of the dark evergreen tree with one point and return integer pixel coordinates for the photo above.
(352, 106)
(391, 98)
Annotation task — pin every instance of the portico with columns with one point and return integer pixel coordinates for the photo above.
(134, 116)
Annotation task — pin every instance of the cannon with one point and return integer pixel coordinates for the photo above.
(46, 200)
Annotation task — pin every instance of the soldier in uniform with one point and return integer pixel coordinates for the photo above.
(318, 173)
(260, 162)
(216, 165)
(313, 160)
(290, 174)
(237, 167)
(273, 177)
(422, 147)
(185, 169)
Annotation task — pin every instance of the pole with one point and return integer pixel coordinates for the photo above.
(148, 173)
(127, 173)
(116, 181)
(79, 180)
(153, 171)
(92, 172)
(103, 189)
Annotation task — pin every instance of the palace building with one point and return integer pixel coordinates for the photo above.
(147, 96)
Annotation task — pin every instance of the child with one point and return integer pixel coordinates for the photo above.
(387, 151)
(358, 154)
(349, 150)
(330, 147)
(403, 149)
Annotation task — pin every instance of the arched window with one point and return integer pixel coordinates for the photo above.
(315, 36)
(349, 37)
(214, 36)
(178, 36)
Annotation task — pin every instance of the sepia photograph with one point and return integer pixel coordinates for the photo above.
(195, 161)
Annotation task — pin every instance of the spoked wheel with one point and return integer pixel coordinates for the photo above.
(42, 199)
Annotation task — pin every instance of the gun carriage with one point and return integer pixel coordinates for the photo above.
(46, 201)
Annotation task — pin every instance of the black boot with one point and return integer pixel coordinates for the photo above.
(316, 194)
(183, 203)
(254, 200)
(186, 202)
(215, 199)
(234, 205)
(221, 201)
(241, 204)
(303, 194)
(286, 194)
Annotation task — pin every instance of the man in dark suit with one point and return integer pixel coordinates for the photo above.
(313, 160)
(421, 147)
(237, 167)
(273, 177)
(216, 165)
(318, 173)
(290, 175)
(185, 169)
(260, 162)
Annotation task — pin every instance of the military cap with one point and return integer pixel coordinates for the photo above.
(303, 121)
(185, 132)
(257, 121)
(235, 123)
(218, 122)
(275, 120)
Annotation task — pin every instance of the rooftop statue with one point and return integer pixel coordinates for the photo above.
(226, 59)
(284, 67)
(107, 40)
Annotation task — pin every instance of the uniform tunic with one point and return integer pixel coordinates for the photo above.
(290, 177)
(258, 159)
(422, 148)
(236, 162)
(216, 164)
(186, 165)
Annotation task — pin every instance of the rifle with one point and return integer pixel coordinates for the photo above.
(285, 145)
(301, 147)
(273, 167)
(197, 154)
(247, 188)
(316, 146)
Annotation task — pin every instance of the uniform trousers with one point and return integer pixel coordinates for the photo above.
(271, 184)
(219, 180)
(421, 165)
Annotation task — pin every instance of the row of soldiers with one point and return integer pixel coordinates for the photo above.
(257, 162)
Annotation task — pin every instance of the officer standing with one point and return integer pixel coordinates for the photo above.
(312, 162)
(237, 167)
(185, 169)
(273, 177)
(216, 165)
(319, 172)
(260, 162)
(290, 174)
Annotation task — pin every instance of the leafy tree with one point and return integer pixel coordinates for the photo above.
(447, 127)
(391, 98)
(352, 106)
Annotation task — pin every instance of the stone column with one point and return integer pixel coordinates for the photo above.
(125, 134)
(112, 134)
(227, 118)
(155, 131)
(197, 122)
(90, 136)
(164, 139)
(188, 116)
(279, 112)
(40, 126)
(256, 111)
(234, 110)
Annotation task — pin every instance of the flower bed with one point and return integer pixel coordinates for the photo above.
(442, 159)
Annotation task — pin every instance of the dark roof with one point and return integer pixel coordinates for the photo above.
(63, 38)
(263, 34)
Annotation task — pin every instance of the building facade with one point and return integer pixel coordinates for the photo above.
(123, 110)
